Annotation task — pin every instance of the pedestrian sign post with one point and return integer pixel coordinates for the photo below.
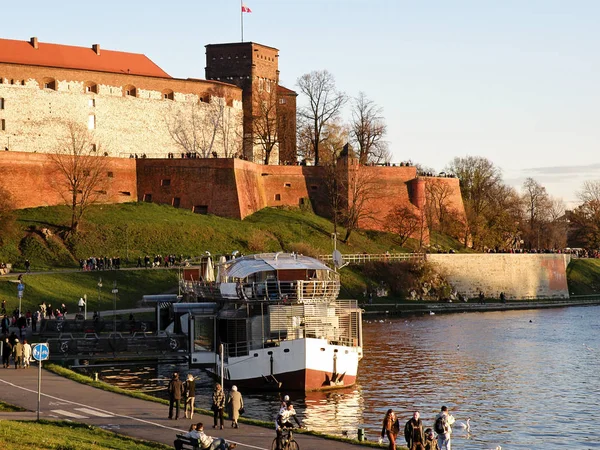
(20, 289)
(40, 352)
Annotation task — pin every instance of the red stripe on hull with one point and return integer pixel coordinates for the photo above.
(299, 380)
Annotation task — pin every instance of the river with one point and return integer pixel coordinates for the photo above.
(527, 379)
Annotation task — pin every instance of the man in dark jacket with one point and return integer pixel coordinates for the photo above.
(175, 392)
(413, 433)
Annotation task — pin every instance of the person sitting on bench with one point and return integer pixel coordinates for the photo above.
(204, 441)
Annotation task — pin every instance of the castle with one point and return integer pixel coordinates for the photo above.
(189, 143)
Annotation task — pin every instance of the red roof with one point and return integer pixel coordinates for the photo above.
(69, 57)
(285, 91)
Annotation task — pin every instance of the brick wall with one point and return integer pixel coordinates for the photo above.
(32, 181)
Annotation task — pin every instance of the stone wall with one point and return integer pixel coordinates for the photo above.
(33, 116)
(519, 276)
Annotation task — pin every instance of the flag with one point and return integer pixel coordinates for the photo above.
(246, 9)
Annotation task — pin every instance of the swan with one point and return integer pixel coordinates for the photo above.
(431, 313)
(465, 426)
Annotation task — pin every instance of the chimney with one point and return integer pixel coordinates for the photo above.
(96, 48)
(34, 42)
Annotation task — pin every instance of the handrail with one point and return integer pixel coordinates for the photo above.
(361, 258)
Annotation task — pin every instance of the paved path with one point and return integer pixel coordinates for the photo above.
(63, 399)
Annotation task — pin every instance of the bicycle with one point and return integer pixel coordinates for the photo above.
(287, 442)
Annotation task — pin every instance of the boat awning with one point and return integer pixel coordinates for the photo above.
(242, 267)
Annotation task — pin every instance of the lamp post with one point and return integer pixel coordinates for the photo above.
(115, 291)
(99, 290)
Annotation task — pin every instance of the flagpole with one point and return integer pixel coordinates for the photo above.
(242, 17)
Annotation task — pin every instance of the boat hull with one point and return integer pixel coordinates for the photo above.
(299, 364)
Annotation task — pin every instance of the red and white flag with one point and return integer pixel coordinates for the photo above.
(246, 9)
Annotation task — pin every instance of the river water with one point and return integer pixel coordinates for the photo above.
(527, 379)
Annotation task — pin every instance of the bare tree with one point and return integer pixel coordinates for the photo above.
(584, 221)
(404, 222)
(196, 125)
(368, 130)
(81, 174)
(437, 204)
(7, 217)
(265, 121)
(361, 189)
(324, 105)
(537, 204)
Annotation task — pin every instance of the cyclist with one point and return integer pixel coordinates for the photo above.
(283, 420)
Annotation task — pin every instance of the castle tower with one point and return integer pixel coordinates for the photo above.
(254, 68)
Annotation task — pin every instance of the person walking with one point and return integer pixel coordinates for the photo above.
(236, 404)
(443, 427)
(6, 352)
(190, 396)
(391, 428)
(18, 354)
(175, 392)
(413, 433)
(218, 405)
(26, 354)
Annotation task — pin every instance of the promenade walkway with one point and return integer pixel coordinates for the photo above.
(63, 399)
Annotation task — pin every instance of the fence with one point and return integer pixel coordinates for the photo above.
(362, 258)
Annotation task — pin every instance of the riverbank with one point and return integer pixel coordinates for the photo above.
(422, 308)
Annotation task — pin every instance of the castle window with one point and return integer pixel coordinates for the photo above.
(200, 209)
(261, 84)
(168, 94)
(110, 175)
(91, 122)
(165, 182)
(1, 103)
(2, 124)
(148, 198)
(282, 101)
(288, 185)
(92, 102)
(176, 202)
(277, 197)
(268, 82)
(93, 147)
(130, 91)
(49, 83)
(91, 87)
(125, 193)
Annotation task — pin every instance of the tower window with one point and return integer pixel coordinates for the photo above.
(165, 182)
(277, 197)
(1, 103)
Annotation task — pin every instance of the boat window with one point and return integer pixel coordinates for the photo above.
(286, 350)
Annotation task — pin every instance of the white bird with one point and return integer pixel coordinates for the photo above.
(431, 313)
(465, 426)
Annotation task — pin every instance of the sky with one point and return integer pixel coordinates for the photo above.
(514, 81)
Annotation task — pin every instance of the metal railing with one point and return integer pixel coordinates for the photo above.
(361, 258)
(300, 291)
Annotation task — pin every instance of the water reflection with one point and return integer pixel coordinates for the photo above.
(527, 379)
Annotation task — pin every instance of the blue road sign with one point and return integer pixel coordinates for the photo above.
(40, 352)
(20, 287)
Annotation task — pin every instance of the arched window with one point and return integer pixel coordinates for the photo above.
(90, 87)
(130, 91)
(167, 94)
(49, 83)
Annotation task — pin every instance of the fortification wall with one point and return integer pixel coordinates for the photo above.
(517, 275)
(32, 116)
(32, 180)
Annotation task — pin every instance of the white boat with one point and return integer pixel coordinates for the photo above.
(279, 320)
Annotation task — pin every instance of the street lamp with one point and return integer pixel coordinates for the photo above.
(99, 289)
(115, 291)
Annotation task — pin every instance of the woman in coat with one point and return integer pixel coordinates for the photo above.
(391, 428)
(236, 403)
(218, 405)
(190, 396)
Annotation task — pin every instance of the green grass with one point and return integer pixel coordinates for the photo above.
(583, 276)
(66, 436)
(67, 288)
(7, 407)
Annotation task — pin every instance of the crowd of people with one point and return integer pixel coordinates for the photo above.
(158, 261)
(418, 437)
(19, 351)
(100, 263)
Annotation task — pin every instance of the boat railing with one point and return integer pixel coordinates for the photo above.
(301, 291)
